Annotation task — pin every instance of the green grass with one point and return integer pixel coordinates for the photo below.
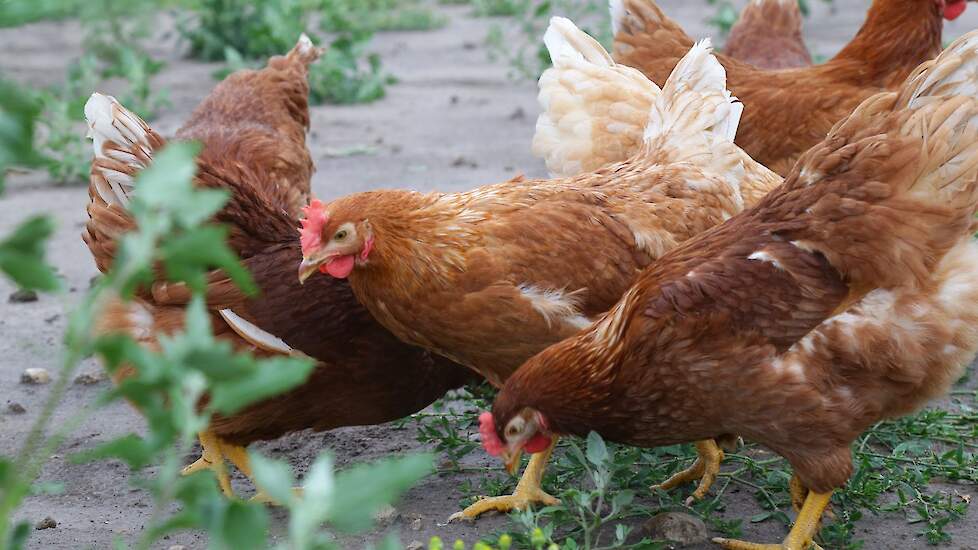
(379, 15)
(253, 29)
(518, 41)
(905, 468)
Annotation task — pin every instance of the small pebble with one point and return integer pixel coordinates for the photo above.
(416, 525)
(89, 378)
(46, 523)
(414, 545)
(677, 527)
(22, 296)
(35, 376)
(177, 547)
(15, 408)
(461, 161)
(387, 515)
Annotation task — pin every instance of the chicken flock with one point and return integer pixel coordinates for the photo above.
(723, 236)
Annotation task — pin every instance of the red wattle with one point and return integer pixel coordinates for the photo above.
(953, 9)
(538, 443)
(341, 267)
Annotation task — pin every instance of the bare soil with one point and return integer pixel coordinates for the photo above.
(454, 121)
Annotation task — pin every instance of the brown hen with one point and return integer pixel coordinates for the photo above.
(768, 36)
(252, 128)
(847, 296)
(788, 111)
(492, 276)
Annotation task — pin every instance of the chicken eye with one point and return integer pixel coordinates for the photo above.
(340, 235)
(514, 428)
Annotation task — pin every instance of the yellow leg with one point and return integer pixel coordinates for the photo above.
(705, 469)
(527, 491)
(798, 493)
(212, 458)
(801, 535)
(238, 456)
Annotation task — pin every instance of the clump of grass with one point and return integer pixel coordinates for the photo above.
(348, 73)
(253, 29)
(519, 41)
(379, 15)
(112, 35)
(499, 8)
(245, 34)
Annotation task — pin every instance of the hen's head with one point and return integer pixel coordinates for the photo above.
(333, 239)
(514, 433)
(951, 9)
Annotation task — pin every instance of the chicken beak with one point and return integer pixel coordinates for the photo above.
(308, 267)
(512, 461)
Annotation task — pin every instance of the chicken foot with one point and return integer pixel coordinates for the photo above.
(801, 535)
(705, 469)
(527, 491)
(214, 456)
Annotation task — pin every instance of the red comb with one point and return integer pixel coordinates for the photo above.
(311, 232)
(487, 432)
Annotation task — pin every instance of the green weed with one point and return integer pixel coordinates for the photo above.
(378, 15)
(519, 41)
(167, 385)
(253, 29)
(348, 73)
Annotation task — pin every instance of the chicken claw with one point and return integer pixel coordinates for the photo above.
(211, 458)
(261, 497)
(705, 469)
(216, 453)
(801, 535)
(527, 492)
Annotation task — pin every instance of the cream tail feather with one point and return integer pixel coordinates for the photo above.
(597, 112)
(593, 110)
(123, 145)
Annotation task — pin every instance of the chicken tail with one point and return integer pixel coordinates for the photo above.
(695, 118)
(897, 180)
(633, 17)
(305, 51)
(593, 109)
(123, 145)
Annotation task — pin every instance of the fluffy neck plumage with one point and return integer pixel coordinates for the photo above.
(896, 37)
(419, 240)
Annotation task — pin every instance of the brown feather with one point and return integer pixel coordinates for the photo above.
(768, 36)
(252, 128)
(788, 111)
(848, 295)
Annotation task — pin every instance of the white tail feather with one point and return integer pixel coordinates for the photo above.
(695, 98)
(593, 110)
(254, 335)
(123, 145)
(695, 119)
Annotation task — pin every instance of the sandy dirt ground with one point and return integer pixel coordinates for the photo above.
(454, 121)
